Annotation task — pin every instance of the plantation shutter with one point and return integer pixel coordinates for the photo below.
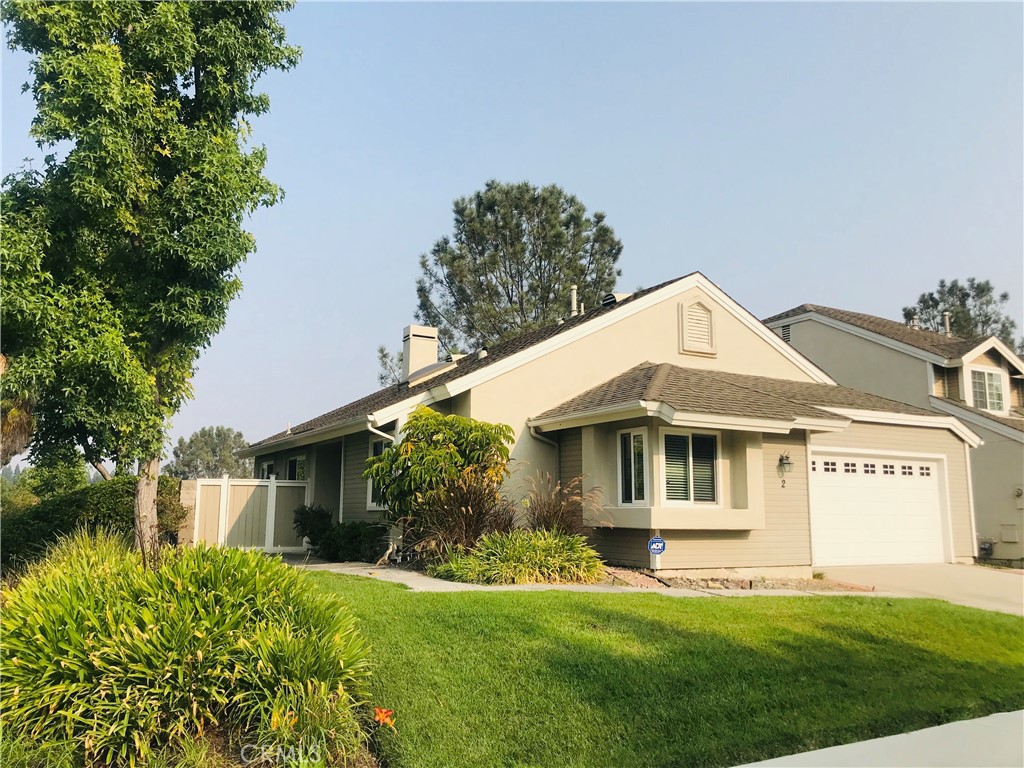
(639, 493)
(698, 326)
(704, 468)
(626, 473)
(677, 467)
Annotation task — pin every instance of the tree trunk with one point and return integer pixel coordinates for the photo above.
(147, 534)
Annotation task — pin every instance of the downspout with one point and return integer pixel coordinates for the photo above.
(394, 544)
(385, 435)
(558, 458)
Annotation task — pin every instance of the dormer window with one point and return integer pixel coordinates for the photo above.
(987, 388)
(696, 328)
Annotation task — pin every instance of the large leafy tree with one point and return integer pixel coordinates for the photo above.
(974, 307)
(210, 452)
(121, 254)
(507, 267)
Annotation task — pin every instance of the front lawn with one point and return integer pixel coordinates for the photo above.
(582, 679)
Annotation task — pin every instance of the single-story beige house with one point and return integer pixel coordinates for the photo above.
(979, 381)
(699, 425)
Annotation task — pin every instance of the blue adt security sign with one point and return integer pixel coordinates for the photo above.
(656, 546)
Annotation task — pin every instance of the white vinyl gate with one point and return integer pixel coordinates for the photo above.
(250, 514)
(874, 510)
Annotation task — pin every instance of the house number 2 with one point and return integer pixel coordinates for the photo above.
(783, 482)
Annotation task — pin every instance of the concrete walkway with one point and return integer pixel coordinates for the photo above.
(988, 742)
(993, 589)
(420, 582)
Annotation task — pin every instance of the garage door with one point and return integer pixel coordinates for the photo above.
(873, 511)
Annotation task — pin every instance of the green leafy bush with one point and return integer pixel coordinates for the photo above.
(122, 660)
(29, 530)
(452, 520)
(524, 557)
(312, 521)
(434, 450)
(340, 542)
(356, 541)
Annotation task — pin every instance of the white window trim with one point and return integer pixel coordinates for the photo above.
(370, 503)
(665, 501)
(264, 474)
(1004, 384)
(297, 458)
(646, 501)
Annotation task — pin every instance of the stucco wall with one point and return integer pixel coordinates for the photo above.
(855, 362)
(651, 335)
(918, 441)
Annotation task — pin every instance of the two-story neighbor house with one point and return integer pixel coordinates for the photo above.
(697, 423)
(980, 381)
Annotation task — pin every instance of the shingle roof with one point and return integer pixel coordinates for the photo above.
(939, 344)
(692, 390)
(1013, 420)
(396, 393)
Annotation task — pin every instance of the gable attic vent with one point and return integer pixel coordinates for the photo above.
(785, 333)
(696, 332)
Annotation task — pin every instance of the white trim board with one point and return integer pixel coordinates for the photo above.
(978, 419)
(911, 420)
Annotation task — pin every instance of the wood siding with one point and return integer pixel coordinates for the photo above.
(784, 541)
(570, 455)
(357, 449)
(883, 438)
(622, 546)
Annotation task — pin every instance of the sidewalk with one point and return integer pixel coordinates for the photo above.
(988, 742)
(420, 582)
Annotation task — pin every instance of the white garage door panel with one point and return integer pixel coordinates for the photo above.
(860, 518)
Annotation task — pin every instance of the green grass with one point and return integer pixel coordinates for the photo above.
(583, 679)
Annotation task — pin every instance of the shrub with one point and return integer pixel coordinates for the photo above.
(435, 449)
(551, 506)
(524, 557)
(110, 504)
(355, 541)
(312, 521)
(453, 519)
(121, 660)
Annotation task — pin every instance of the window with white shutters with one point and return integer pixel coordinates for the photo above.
(691, 467)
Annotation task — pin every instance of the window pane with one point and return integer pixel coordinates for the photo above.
(677, 467)
(300, 469)
(995, 391)
(978, 388)
(626, 474)
(638, 468)
(704, 467)
(292, 468)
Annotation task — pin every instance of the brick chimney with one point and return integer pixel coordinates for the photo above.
(419, 348)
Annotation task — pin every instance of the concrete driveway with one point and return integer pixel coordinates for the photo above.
(993, 589)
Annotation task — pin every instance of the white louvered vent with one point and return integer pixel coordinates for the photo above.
(785, 333)
(696, 328)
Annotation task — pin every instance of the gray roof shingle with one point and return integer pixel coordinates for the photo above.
(947, 347)
(396, 393)
(692, 390)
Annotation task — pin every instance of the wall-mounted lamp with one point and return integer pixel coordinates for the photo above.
(785, 465)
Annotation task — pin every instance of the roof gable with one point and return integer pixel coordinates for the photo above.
(947, 348)
(477, 368)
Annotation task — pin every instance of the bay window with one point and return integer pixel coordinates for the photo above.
(632, 469)
(691, 472)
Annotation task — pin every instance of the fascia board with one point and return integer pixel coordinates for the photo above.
(595, 416)
(992, 343)
(304, 438)
(911, 420)
(978, 419)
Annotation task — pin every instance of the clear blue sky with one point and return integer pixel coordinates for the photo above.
(848, 155)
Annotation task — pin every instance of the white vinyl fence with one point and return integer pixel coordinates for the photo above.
(249, 514)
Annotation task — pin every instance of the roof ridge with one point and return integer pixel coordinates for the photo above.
(661, 372)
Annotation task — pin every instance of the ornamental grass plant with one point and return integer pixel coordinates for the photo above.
(524, 557)
(120, 662)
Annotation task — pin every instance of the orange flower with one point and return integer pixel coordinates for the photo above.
(384, 716)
